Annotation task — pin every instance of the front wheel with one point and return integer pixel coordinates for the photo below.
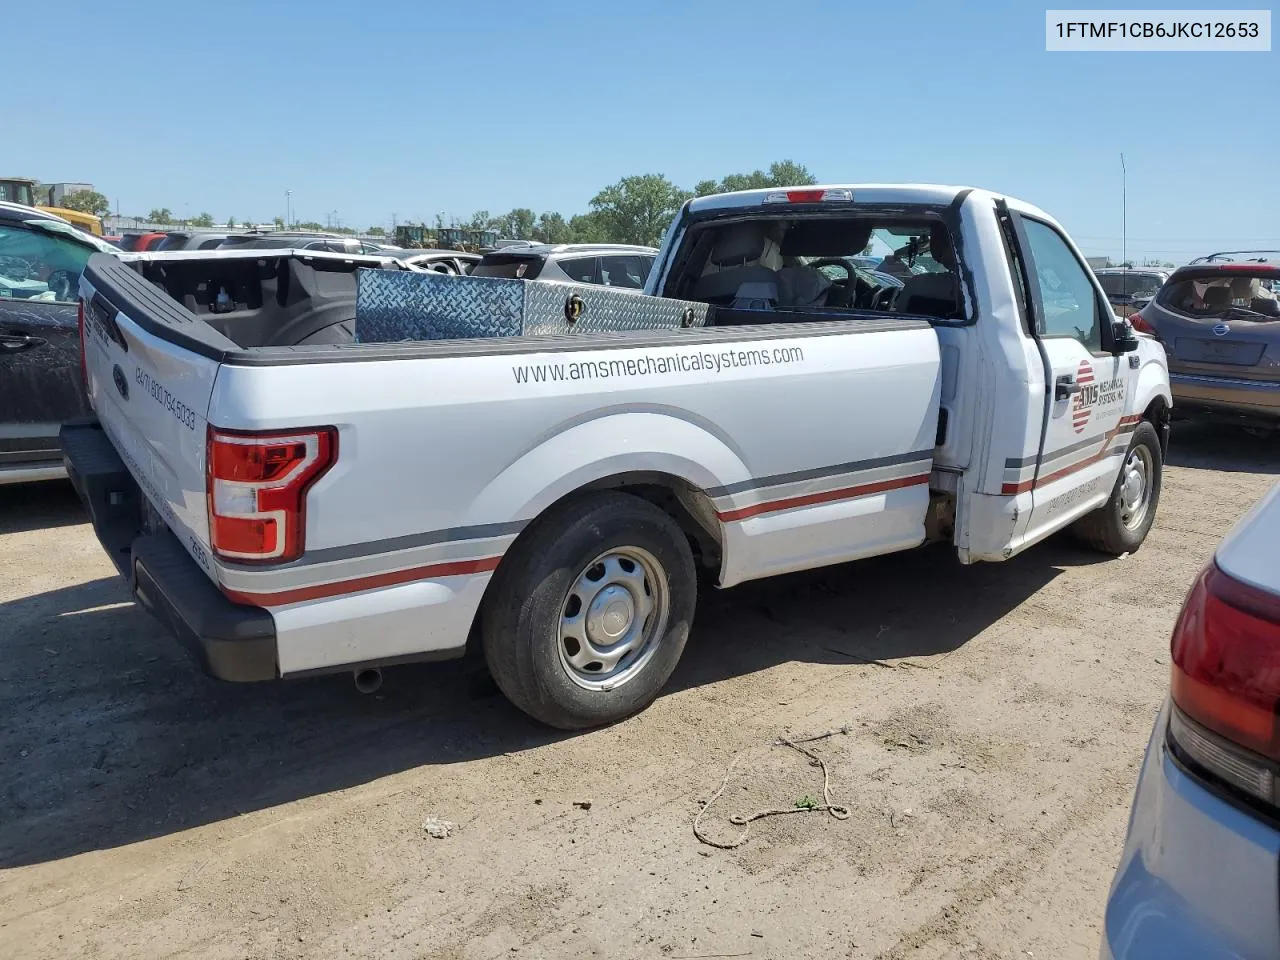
(589, 613)
(1121, 525)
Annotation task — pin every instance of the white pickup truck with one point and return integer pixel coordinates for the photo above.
(291, 501)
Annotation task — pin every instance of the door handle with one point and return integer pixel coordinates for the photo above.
(1064, 387)
(17, 342)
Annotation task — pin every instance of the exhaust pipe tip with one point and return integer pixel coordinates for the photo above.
(368, 680)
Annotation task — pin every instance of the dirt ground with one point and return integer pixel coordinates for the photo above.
(996, 717)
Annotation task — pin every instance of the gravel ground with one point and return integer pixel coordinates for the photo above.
(994, 719)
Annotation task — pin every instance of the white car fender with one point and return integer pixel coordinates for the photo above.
(612, 443)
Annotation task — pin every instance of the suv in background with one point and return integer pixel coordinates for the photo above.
(1129, 290)
(609, 264)
(1219, 320)
(289, 239)
(192, 240)
(41, 258)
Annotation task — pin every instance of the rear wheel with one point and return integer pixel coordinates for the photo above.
(1122, 524)
(589, 613)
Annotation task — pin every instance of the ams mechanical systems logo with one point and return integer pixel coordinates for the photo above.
(1093, 395)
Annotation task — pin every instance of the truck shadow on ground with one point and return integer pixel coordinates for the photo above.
(1205, 445)
(111, 736)
(39, 506)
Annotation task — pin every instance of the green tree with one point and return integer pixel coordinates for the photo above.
(160, 215)
(517, 225)
(552, 228)
(279, 223)
(377, 232)
(637, 209)
(87, 201)
(480, 220)
(788, 173)
(231, 223)
(781, 173)
(310, 225)
(204, 219)
(587, 228)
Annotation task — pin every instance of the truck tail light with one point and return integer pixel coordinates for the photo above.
(257, 484)
(809, 196)
(84, 364)
(1139, 323)
(1226, 682)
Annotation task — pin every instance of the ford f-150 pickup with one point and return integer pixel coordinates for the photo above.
(290, 497)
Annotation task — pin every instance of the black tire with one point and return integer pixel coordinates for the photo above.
(1104, 529)
(520, 619)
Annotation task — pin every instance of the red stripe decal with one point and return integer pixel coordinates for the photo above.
(827, 496)
(320, 591)
(1014, 488)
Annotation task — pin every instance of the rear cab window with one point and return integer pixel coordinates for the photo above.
(813, 262)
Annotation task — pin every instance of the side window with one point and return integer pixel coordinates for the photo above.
(628, 272)
(1069, 302)
(581, 269)
(39, 267)
(210, 244)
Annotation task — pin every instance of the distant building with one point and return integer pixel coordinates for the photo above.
(1097, 263)
(58, 191)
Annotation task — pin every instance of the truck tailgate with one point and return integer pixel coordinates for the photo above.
(151, 394)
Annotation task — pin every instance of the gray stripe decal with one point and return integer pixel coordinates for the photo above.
(815, 472)
(482, 531)
(1014, 462)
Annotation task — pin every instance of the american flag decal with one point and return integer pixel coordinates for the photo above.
(1079, 409)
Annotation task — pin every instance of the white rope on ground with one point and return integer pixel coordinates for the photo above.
(837, 811)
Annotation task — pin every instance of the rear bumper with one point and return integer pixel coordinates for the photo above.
(1232, 395)
(1198, 877)
(231, 641)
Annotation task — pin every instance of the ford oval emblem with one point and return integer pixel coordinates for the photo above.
(122, 382)
(1221, 329)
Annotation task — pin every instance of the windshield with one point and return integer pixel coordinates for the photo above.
(67, 230)
(1131, 284)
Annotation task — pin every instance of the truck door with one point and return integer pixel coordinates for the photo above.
(40, 383)
(1085, 432)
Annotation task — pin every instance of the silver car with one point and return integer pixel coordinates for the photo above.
(610, 264)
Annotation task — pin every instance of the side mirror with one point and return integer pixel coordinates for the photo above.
(1123, 339)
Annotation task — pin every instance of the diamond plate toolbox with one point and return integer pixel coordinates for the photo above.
(393, 305)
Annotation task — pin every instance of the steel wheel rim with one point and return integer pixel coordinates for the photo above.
(1136, 479)
(612, 618)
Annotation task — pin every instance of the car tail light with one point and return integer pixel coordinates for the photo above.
(257, 487)
(809, 196)
(1139, 323)
(1226, 681)
(84, 365)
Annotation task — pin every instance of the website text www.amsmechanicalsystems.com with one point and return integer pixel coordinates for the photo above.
(710, 361)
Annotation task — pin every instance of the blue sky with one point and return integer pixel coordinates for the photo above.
(418, 108)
